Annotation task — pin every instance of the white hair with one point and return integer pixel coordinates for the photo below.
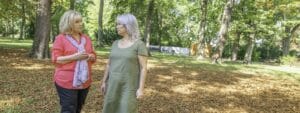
(67, 21)
(130, 23)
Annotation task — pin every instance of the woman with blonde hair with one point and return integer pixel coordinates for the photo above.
(125, 73)
(73, 56)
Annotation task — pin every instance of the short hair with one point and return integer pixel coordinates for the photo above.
(67, 21)
(130, 23)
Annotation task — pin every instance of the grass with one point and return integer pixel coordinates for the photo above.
(15, 43)
(175, 84)
(187, 61)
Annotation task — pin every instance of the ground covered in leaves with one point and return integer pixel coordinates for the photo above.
(172, 86)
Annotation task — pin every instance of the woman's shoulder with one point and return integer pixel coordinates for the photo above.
(86, 37)
(60, 37)
(115, 42)
(140, 42)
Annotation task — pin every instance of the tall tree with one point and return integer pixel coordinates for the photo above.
(288, 10)
(147, 31)
(223, 32)
(287, 39)
(235, 47)
(100, 25)
(201, 35)
(23, 20)
(160, 20)
(249, 51)
(40, 46)
(12, 27)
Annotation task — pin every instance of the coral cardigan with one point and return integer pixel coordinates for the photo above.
(64, 73)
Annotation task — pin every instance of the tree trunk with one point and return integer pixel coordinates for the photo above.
(72, 4)
(201, 35)
(100, 25)
(287, 40)
(223, 32)
(12, 25)
(23, 21)
(40, 46)
(5, 30)
(147, 31)
(235, 47)
(248, 54)
(160, 19)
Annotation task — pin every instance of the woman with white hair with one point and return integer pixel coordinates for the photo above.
(73, 56)
(124, 78)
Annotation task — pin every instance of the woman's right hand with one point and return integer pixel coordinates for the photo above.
(103, 88)
(81, 56)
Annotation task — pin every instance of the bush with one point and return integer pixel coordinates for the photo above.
(288, 60)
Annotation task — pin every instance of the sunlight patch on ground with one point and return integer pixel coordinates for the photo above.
(194, 73)
(231, 109)
(151, 65)
(269, 70)
(10, 102)
(169, 61)
(32, 67)
(149, 91)
(22, 44)
(288, 69)
(210, 89)
(152, 61)
(185, 88)
(248, 71)
(210, 110)
(234, 109)
(156, 66)
(163, 78)
(176, 72)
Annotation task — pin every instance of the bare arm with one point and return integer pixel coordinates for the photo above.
(70, 58)
(104, 80)
(105, 77)
(143, 73)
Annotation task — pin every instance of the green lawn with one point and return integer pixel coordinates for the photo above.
(187, 61)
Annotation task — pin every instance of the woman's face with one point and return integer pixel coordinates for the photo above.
(121, 29)
(77, 25)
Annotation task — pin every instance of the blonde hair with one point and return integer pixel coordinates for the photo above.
(67, 21)
(130, 23)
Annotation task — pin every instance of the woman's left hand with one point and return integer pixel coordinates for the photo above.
(139, 94)
(91, 57)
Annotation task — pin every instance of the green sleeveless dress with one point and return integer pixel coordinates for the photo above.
(123, 79)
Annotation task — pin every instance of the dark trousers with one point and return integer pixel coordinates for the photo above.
(71, 100)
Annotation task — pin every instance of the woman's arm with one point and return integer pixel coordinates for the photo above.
(58, 49)
(70, 58)
(105, 77)
(104, 80)
(143, 73)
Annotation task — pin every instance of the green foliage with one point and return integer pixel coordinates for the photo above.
(30, 30)
(288, 60)
(109, 36)
(268, 51)
(174, 22)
